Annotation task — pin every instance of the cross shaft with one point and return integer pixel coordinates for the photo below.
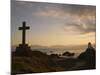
(24, 28)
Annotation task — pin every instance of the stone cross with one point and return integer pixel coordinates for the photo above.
(24, 28)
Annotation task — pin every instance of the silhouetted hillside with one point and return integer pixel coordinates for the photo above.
(38, 62)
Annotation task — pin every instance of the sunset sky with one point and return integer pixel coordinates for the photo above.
(53, 24)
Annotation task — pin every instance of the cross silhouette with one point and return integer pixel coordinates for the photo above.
(24, 28)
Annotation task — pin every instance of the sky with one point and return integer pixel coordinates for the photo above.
(53, 24)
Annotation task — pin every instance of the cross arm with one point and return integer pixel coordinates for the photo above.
(20, 28)
(27, 28)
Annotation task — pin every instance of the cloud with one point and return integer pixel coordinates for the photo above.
(80, 19)
(49, 10)
(59, 10)
(81, 26)
(80, 10)
(64, 10)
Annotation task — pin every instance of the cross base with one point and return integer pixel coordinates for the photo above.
(23, 50)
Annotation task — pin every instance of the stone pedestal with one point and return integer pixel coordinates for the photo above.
(23, 50)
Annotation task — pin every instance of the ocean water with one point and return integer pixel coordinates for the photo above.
(57, 50)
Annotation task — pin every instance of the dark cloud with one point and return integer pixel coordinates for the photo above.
(83, 18)
(60, 9)
(69, 9)
(82, 27)
(79, 10)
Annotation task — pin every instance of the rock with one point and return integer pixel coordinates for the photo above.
(68, 54)
(89, 57)
(23, 50)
